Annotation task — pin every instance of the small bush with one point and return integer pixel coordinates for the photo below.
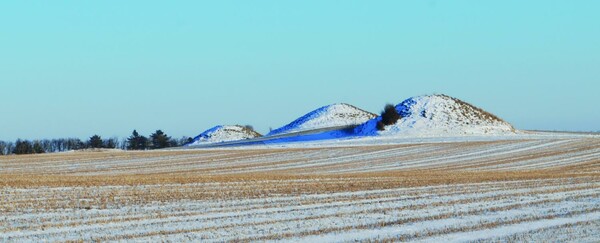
(380, 126)
(389, 115)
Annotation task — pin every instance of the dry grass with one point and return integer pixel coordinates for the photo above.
(391, 179)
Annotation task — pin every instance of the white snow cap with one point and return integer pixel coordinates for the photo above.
(439, 115)
(334, 115)
(223, 134)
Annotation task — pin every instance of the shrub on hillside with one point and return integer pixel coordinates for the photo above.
(389, 115)
(380, 126)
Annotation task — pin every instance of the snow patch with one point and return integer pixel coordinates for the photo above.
(334, 115)
(223, 134)
(438, 115)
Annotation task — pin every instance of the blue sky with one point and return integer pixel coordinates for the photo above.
(78, 68)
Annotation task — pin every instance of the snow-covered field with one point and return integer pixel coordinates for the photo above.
(521, 187)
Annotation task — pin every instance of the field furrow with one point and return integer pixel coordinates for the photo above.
(521, 190)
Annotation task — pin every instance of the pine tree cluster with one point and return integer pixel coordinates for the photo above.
(156, 140)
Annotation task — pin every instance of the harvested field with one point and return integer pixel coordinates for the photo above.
(503, 190)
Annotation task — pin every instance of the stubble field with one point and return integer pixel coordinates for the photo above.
(509, 190)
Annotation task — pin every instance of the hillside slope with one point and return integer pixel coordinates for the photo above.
(223, 134)
(334, 115)
(439, 115)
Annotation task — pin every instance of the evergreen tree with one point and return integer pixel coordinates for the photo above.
(137, 142)
(132, 140)
(142, 143)
(38, 148)
(2, 147)
(95, 142)
(160, 140)
(23, 147)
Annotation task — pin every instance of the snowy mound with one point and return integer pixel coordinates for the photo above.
(223, 134)
(327, 116)
(439, 115)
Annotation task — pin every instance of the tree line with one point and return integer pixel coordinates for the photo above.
(156, 140)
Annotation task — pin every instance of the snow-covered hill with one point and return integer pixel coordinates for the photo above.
(439, 115)
(334, 115)
(223, 134)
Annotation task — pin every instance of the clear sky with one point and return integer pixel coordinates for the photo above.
(78, 68)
